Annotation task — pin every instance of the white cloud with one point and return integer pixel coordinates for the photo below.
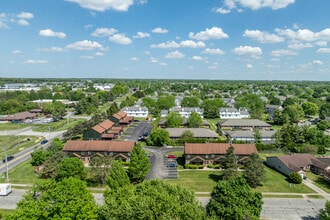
(323, 50)
(84, 45)
(134, 59)
(16, 52)
(174, 55)
(52, 49)
(23, 22)
(141, 35)
(318, 62)
(51, 33)
(153, 60)
(25, 15)
(257, 4)
(120, 39)
(197, 58)
(99, 54)
(248, 50)
(3, 25)
(221, 10)
(321, 43)
(30, 61)
(208, 34)
(213, 51)
(87, 57)
(282, 52)
(262, 36)
(249, 66)
(104, 32)
(192, 44)
(165, 45)
(305, 34)
(298, 46)
(159, 30)
(102, 5)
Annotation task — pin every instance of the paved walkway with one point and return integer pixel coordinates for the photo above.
(321, 192)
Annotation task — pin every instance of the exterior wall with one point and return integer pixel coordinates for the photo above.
(137, 112)
(276, 164)
(91, 135)
(207, 158)
(86, 156)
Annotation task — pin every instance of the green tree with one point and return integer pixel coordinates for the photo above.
(310, 108)
(152, 199)
(295, 177)
(71, 167)
(234, 199)
(324, 214)
(38, 157)
(139, 165)
(99, 169)
(187, 135)
(324, 110)
(252, 102)
(230, 163)
(165, 102)
(190, 101)
(323, 125)
(254, 170)
(173, 119)
(67, 199)
(211, 107)
(118, 177)
(195, 120)
(294, 112)
(158, 137)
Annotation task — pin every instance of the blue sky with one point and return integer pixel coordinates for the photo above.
(166, 39)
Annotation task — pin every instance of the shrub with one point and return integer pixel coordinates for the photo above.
(210, 165)
(217, 166)
(125, 163)
(200, 167)
(190, 166)
(295, 177)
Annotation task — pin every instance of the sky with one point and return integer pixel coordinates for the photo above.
(166, 39)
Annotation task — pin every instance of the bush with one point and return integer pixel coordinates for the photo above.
(295, 177)
(210, 165)
(190, 166)
(217, 166)
(125, 164)
(200, 167)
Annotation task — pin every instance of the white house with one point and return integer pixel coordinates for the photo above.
(139, 112)
(186, 112)
(233, 113)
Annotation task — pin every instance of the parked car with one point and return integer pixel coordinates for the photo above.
(44, 141)
(9, 158)
(172, 165)
(171, 156)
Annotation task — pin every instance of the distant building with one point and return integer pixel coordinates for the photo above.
(139, 112)
(271, 109)
(233, 113)
(248, 136)
(186, 112)
(176, 133)
(244, 124)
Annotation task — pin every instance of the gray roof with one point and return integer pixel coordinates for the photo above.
(244, 123)
(134, 108)
(198, 132)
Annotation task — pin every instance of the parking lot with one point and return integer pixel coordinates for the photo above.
(171, 168)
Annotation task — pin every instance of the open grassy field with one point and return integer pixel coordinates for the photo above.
(15, 144)
(22, 174)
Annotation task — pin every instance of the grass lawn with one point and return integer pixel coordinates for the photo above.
(276, 182)
(22, 174)
(15, 144)
(198, 181)
(319, 181)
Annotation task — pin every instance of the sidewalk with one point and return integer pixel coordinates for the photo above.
(321, 192)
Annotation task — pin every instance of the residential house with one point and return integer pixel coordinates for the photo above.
(176, 133)
(98, 130)
(233, 113)
(248, 136)
(300, 163)
(162, 123)
(121, 119)
(19, 117)
(186, 112)
(271, 109)
(85, 150)
(140, 112)
(244, 124)
(214, 153)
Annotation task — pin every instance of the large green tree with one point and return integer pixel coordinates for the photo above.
(152, 199)
(230, 164)
(66, 199)
(39, 156)
(195, 120)
(190, 101)
(254, 170)
(71, 167)
(118, 177)
(99, 169)
(234, 199)
(325, 213)
(158, 137)
(139, 165)
(211, 107)
(173, 119)
(310, 108)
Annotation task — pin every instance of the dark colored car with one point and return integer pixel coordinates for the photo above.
(43, 141)
(9, 158)
(172, 165)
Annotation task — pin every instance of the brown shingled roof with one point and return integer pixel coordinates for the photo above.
(122, 114)
(107, 124)
(296, 161)
(99, 129)
(219, 148)
(105, 146)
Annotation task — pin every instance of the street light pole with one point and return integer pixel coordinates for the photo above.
(7, 175)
